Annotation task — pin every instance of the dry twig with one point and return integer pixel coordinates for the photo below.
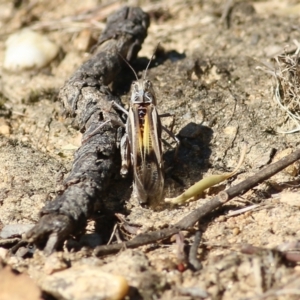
(193, 260)
(192, 218)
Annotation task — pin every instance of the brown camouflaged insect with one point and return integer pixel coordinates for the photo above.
(141, 145)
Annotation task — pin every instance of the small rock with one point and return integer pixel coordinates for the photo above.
(261, 157)
(236, 231)
(221, 219)
(230, 130)
(85, 282)
(292, 169)
(13, 230)
(4, 127)
(3, 253)
(22, 252)
(290, 198)
(195, 291)
(54, 263)
(17, 286)
(4, 130)
(27, 49)
(84, 40)
(272, 50)
(187, 116)
(134, 265)
(6, 11)
(69, 147)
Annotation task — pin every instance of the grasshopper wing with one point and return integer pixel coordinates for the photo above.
(145, 139)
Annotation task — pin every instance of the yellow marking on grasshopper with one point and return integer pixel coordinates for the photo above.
(140, 140)
(200, 186)
(147, 135)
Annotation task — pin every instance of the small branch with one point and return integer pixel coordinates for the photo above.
(242, 210)
(193, 217)
(193, 260)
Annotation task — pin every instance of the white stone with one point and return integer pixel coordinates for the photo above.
(27, 49)
(85, 282)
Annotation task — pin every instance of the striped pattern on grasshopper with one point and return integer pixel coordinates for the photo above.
(141, 145)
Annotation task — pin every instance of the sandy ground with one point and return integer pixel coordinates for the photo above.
(209, 79)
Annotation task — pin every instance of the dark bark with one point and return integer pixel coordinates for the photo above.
(86, 98)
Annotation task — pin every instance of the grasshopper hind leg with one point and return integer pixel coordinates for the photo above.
(148, 184)
(170, 132)
(125, 155)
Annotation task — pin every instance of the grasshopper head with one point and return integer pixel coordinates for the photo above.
(142, 92)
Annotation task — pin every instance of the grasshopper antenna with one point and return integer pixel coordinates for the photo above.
(145, 73)
(129, 65)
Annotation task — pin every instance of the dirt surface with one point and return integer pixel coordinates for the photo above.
(206, 74)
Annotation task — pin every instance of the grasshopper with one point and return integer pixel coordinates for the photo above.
(141, 145)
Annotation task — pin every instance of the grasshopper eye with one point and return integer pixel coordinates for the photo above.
(147, 85)
(148, 97)
(134, 86)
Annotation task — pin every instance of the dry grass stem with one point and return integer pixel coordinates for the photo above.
(242, 210)
(287, 86)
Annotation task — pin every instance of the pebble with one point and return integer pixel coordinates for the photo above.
(54, 263)
(221, 219)
(17, 286)
(27, 49)
(82, 282)
(236, 231)
(230, 130)
(196, 292)
(290, 198)
(4, 127)
(22, 252)
(292, 169)
(3, 253)
(83, 40)
(13, 230)
(273, 50)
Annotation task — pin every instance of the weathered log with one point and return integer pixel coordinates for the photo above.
(86, 98)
